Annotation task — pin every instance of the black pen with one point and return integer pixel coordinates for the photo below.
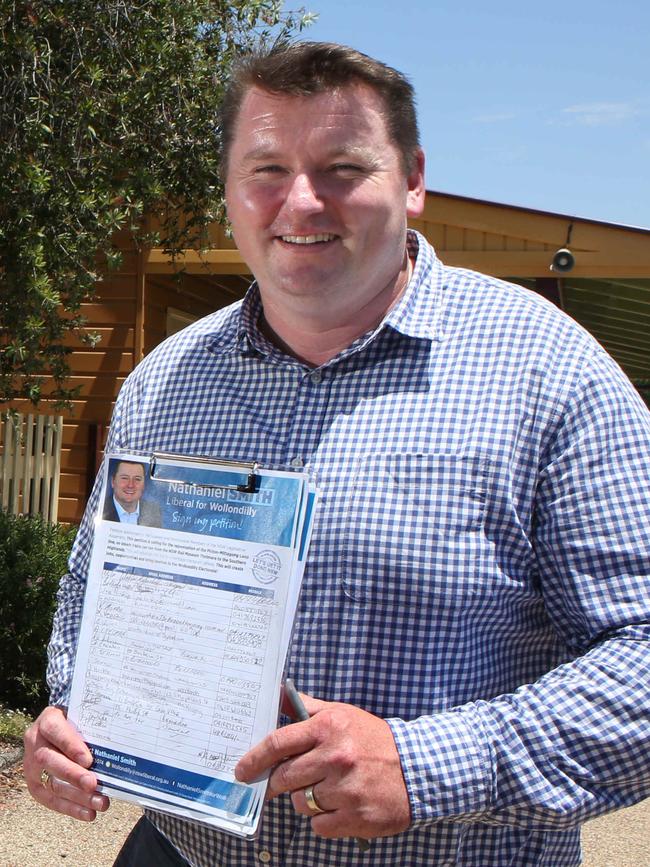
(300, 713)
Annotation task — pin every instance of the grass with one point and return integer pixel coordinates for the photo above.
(13, 724)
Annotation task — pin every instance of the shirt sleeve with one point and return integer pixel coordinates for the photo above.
(576, 743)
(67, 618)
(62, 647)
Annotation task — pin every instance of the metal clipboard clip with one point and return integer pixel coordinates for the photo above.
(252, 480)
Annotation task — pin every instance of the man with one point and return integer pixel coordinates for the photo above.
(124, 501)
(472, 630)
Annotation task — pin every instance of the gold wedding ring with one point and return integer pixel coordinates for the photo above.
(312, 803)
(45, 779)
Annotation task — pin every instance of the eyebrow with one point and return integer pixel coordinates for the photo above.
(360, 152)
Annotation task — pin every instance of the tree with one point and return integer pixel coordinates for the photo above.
(107, 113)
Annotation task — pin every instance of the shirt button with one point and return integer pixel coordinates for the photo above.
(316, 377)
(297, 463)
(265, 856)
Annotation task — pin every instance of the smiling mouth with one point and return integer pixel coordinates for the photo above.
(308, 239)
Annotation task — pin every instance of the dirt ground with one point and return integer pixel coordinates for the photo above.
(31, 836)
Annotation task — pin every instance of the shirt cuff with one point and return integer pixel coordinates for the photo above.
(446, 766)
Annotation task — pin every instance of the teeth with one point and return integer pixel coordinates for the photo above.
(307, 239)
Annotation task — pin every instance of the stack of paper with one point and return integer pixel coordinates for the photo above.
(185, 630)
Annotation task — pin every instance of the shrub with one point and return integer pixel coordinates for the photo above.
(12, 725)
(33, 556)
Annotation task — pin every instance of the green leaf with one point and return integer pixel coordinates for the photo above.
(106, 114)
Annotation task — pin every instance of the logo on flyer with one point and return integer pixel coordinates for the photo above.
(266, 567)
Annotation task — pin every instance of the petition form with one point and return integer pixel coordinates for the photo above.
(185, 629)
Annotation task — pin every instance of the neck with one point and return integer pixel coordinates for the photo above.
(314, 334)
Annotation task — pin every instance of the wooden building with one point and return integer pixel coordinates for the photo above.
(607, 290)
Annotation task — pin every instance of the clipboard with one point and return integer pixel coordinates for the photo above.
(186, 624)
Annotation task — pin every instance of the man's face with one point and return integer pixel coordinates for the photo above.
(128, 485)
(317, 195)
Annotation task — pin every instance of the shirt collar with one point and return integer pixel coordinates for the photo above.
(121, 511)
(418, 312)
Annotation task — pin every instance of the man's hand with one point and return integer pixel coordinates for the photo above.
(350, 759)
(52, 744)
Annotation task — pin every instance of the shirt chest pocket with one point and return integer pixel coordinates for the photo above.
(413, 529)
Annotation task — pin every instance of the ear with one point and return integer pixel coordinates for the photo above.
(416, 190)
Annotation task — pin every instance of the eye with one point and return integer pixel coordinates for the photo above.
(347, 168)
(268, 170)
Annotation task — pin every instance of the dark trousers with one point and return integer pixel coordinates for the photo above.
(147, 847)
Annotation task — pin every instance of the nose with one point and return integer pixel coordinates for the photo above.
(304, 195)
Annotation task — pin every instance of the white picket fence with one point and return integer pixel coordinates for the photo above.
(30, 464)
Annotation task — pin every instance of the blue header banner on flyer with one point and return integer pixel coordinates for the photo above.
(206, 501)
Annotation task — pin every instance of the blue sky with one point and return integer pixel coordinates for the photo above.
(542, 105)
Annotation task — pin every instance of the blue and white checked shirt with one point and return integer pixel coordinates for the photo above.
(479, 568)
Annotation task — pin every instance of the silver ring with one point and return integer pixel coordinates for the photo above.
(312, 803)
(46, 779)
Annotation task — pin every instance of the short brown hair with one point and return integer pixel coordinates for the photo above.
(116, 466)
(306, 68)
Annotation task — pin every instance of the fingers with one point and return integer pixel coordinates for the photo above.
(56, 767)
(56, 730)
(310, 801)
(331, 816)
(53, 744)
(64, 798)
(348, 762)
(282, 743)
